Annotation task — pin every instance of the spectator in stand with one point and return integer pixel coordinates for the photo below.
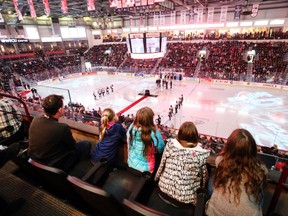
(225, 60)
(239, 178)
(183, 168)
(158, 120)
(10, 118)
(112, 134)
(274, 149)
(51, 142)
(144, 141)
(128, 120)
(99, 111)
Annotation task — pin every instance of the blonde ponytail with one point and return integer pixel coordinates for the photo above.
(108, 116)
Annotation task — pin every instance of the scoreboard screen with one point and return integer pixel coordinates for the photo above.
(137, 45)
(147, 45)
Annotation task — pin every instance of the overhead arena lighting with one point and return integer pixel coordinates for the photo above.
(277, 22)
(232, 24)
(261, 23)
(246, 24)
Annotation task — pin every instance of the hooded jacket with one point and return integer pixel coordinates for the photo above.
(108, 147)
(136, 158)
(182, 171)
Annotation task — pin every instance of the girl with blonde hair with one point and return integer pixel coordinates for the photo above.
(112, 134)
(144, 141)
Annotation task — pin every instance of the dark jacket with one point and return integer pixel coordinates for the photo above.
(108, 146)
(49, 140)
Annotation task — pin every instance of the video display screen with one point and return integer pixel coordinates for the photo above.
(147, 45)
(153, 42)
(137, 45)
(153, 45)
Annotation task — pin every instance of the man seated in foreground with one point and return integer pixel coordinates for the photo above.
(51, 142)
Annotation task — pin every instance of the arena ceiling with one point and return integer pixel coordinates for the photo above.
(78, 8)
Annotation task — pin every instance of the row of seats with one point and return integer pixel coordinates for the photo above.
(122, 186)
(128, 191)
(103, 190)
(97, 188)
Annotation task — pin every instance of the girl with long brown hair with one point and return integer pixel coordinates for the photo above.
(239, 178)
(144, 141)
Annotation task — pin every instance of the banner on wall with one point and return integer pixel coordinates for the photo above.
(210, 14)
(32, 9)
(130, 3)
(173, 18)
(150, 2)
(155, 19)
(131, 21)
(255, 9)
(119, 4)
(64, 7)
(143, 2)
(237, 13)
(162, 20)
(223, 15)
(46, 7)
(124, 3)
(20, 17)
(141, 20)
(200, 15)
(113, 3)
(191, 15)
(183, 17)
(91, 5)
(137, 3)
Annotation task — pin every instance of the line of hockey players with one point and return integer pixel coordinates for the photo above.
(164, 83)
(103, 91)
(178, 105)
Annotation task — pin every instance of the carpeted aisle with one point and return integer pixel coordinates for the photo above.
(38, 202)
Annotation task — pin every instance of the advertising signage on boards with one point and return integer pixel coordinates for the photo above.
(14, 40)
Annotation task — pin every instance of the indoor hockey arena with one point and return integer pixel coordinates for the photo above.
(144, 107)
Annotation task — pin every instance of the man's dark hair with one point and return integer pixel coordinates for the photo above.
(52, 104)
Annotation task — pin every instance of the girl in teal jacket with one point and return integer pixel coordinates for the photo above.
(144, 141)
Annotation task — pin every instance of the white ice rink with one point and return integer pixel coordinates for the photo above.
(215, 109)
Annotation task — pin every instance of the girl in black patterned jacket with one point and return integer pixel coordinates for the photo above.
(183, 167)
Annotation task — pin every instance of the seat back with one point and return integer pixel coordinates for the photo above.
(133, 208)
(99, 200)
(55, 181)
(52, 177)
(26, 169)
(268, 159)
(279, 188)
(202, 197)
